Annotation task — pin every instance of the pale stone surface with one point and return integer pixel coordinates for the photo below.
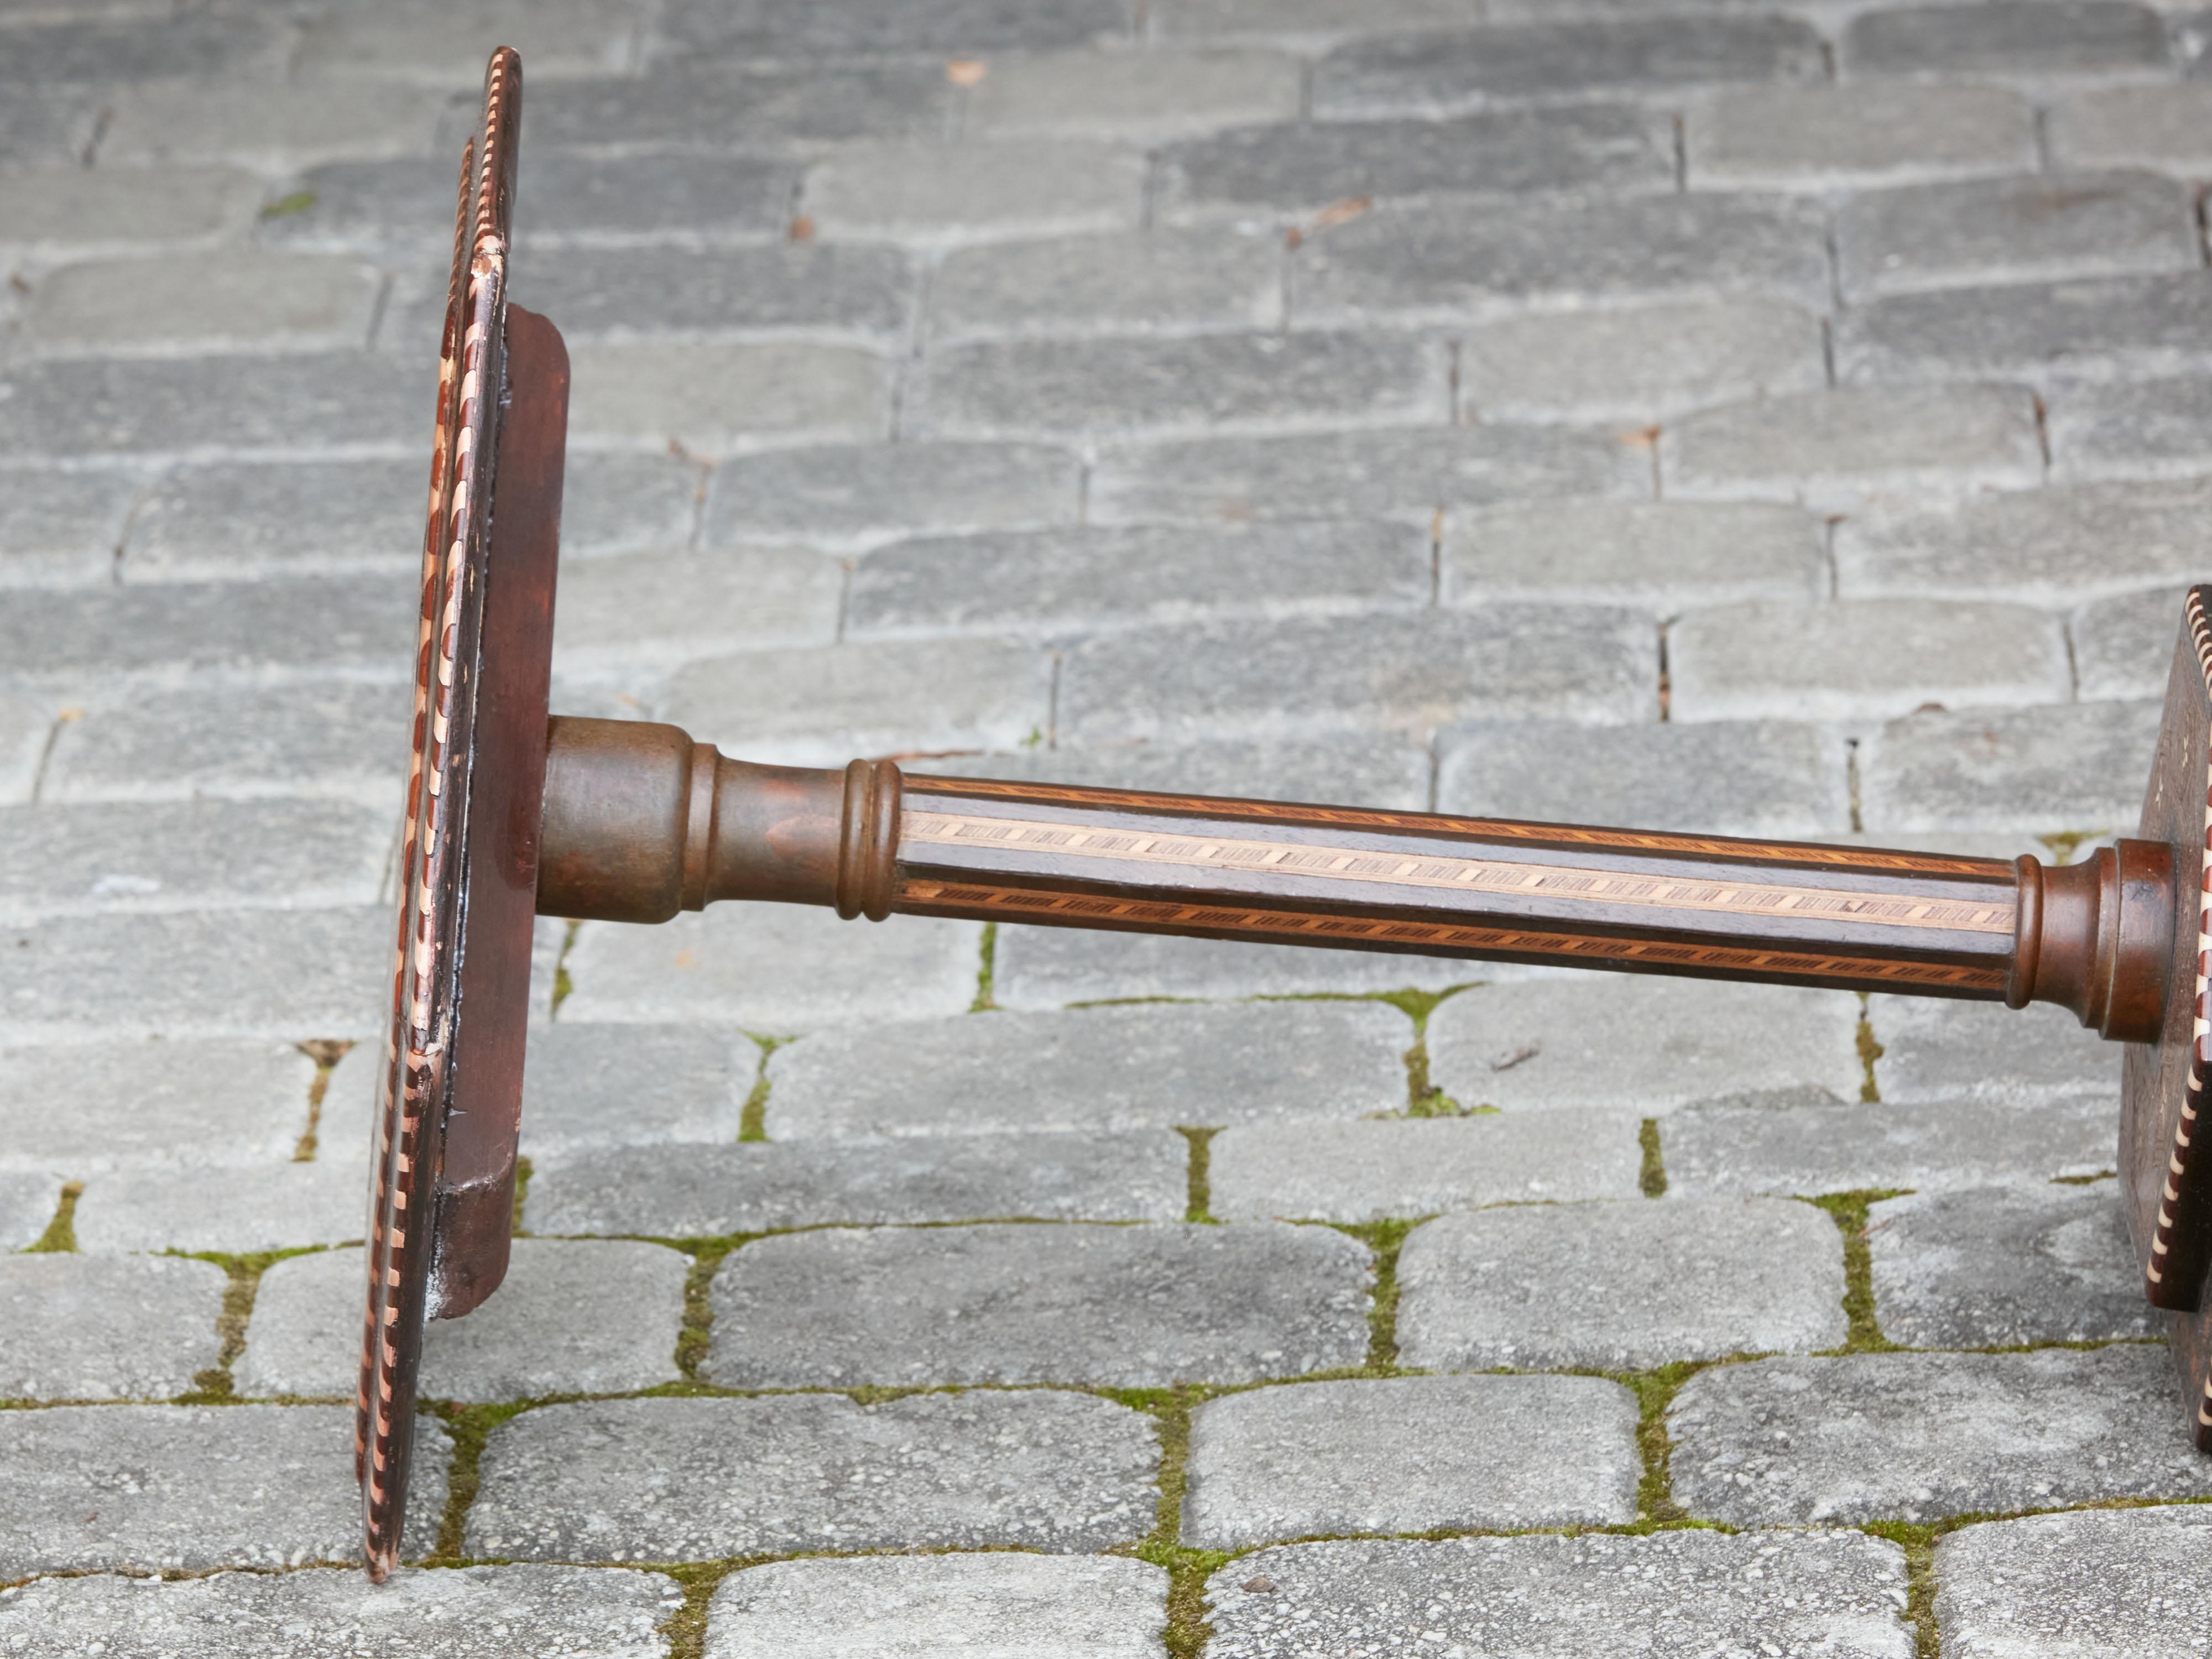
(809, 289)
(966, 191)
(1934, 1049)
(1634, 1041)
(82, 1110)
(2135, 430)
(1815, 1146)
(568, 1318)
(2039, 37)
(1158, 1066)
(1409, 1455)
(476, 1612)
(2095, 1581)
(1374, 1171)
(1131, 1307)
(273, 1207)
(716, 399)
(663, 609)
(1858, 660)
(270, 127)
(252, 403)
(88, 1328)
(1841, 136)
(2078, 766)
(1666, 554)
(902, 1608)
(1999, 1265)
(202, 302)
(1914, 1436)
(1349, 769)
(2090, 329)
(155, 632)
(226, 520)
(61, 529)
(439, 45)
(1561, 1598)
(698, 1479)
(2168, 127)
(1151, 94)
(771, 970)
(1052, 967)
(2123, 647)
(857, 496)
(1643, 364)
(52, 211)
(27, 1203)
(691, 1191)
(1165, 282)
(1619, 1287)
(149, 1488)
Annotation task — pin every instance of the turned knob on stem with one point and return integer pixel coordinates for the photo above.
(2097, 937)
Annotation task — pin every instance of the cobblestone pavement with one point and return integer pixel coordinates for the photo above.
(1783, 421)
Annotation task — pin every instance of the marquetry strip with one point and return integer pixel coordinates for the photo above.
(1084, 910)
(1559, 834)
(1433, 872)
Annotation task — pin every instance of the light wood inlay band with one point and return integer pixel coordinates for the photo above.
(1466, 875)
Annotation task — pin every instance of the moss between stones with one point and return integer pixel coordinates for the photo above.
(1849, 1212)
(60, 1235)
(325, 1052)
(1651, 1179)
(987, 969)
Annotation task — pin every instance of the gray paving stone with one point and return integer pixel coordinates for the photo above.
(1438, 75)
(1140, 1068)
(1815, 1146)
(1864, 133)
(52, 126)
(2055, 546)
(2152, 126)
(478, 1612)
(1150, 94)
(1359, 1172)
(662, 609)
(1166, 282)
(1935, 1049)
(1390, 673)
(1949, 235)
(793, 28)
(1367, 475)
(811, 288)
(85, 1109)
(2045, 1584)
(1913, 1437)
(1666, 554)
(955, 193)
(226, 521)
(1052, 967)
(1837, 451)
(1639, 1042)
(221, 300)
(2022, 37)
(713, 398)
(147, 1488)
(28, 728)
(1638, 364)
(1621, 1287)
(851, 498)
(570, 1317)
(1207, 384)
(62, 528)
(1057, 581)
(1134, 1307)
(1284, 172)
(822, 706)
(1714, 777)
(772, 968)
(1445, 264)
(2131, 429)
(1410, 1453)
(2066, 766)
(1554, 1598)
(268, 128)
(285, 974)
(241, 1209)
(1137, 1175)
(27, 1203)
(1344, 768)
(698, 1479)
(715, 109)
(889, 1608)
(2123, 647)
(2091, 329)
(211, 405)
(1862, 659)
(58, 213)
(115, 856)
(1303, 21)
(168, 744)
(97, 52)
(2006, 1265)
(439, 44)
(88, 1328)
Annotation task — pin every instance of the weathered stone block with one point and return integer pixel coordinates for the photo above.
(1164, 282)
(243, 1210)
(1343, 768)
(151, 1488)
(2001, 1266)
(57, 212)
(1375, 1171)
(27, 1203)
(713, 399)
(2133, 430)
(879, 1607)
(1936, 1049)
(1712, 777)
(2168, 127)
(1147, 94)
(92, 1327)
(817, 290)
(28, 728)
(657, 610)
(1140, 1067)
(2067, 766)
(1859, 134)
(1131, 1307)
(232, 520)
(1410, 1453)
(1057, 581)
(61, 529)
(2091, 329)
(2039, 1585)
(697, 1479)
(1637, 1042)
(1915, 1437)
(2022, 37)
(187, 406)
(795, 28)
(1619, 1287)
(83, 1109)
(852, 498)
(1862, 659)
(2123, 647)
(957, 193)
(570, 1317)
(715, 109)
(270, 128)
(1668, 555)
(215, 302)
(441, 45)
